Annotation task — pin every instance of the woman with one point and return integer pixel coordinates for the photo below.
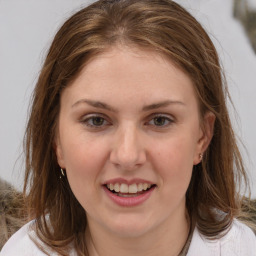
(130, 150)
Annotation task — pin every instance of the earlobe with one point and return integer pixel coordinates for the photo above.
(207, 131)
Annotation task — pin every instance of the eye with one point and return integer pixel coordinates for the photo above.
(160, 121)
(95, 121)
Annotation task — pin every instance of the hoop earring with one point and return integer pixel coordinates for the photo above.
(201, 156)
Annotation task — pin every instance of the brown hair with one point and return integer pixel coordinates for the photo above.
(159, 25)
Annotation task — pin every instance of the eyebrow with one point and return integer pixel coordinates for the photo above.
(95, 104)
(102, 105)
(162, 104)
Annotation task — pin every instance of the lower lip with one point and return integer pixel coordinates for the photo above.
(129, 201)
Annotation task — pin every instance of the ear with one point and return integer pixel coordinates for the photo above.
(206, 133)
(59, 152)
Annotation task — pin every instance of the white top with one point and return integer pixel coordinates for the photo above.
(239, 241)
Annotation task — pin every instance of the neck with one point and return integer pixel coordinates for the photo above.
(167, 239)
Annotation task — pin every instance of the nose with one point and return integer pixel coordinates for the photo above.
(128, 152)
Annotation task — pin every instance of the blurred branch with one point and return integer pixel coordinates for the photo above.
(249, 213)
(248, 19)
(12, 211)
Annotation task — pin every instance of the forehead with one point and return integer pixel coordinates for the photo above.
(125, 72)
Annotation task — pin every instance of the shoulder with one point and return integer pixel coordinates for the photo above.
(239, 241)
(21, 244)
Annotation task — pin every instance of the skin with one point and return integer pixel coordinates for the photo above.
(129, 139)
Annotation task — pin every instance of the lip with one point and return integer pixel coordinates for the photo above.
(128, 182)
(129, 201)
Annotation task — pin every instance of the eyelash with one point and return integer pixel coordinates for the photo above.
(166, 118)
(89, 119)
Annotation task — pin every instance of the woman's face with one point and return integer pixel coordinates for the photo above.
(129, 134)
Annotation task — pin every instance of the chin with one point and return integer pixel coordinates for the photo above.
(130, 227)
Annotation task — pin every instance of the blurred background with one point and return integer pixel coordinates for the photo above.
(26, 31)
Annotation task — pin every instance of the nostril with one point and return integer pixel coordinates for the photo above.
(128, 162)
(127, 152)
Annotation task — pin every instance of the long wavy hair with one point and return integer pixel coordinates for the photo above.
(212, 199)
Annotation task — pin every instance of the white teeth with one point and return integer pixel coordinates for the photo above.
(124, 188)
(132, 189)
(145, 186)
(140, 187)
(116, 187)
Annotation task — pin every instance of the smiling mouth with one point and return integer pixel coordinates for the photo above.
(125, 190)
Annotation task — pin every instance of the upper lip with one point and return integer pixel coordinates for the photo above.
(128, 182)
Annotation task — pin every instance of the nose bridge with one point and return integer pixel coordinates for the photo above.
(128, 151)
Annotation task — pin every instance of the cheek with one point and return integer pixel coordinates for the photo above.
(84, 163)
(84, 159)
(174, 161)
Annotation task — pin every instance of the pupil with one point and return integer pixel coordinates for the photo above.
(159, 121)
(98, 121)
